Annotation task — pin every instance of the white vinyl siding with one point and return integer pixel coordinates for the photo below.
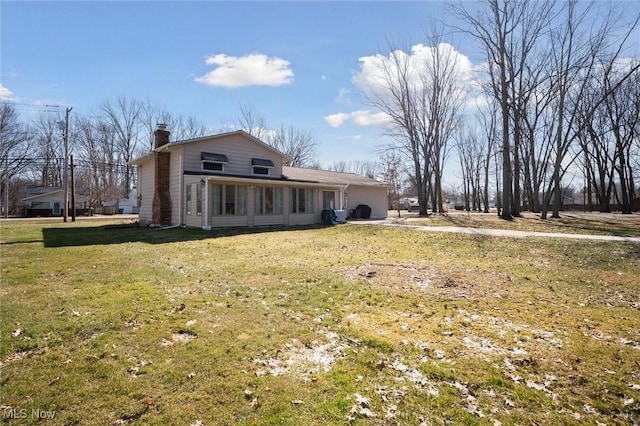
(373, 196)
(146, 189)
(175, 185)
(238, 149)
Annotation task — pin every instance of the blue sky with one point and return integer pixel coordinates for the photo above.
(80, 53)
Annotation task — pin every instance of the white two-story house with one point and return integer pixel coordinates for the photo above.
(234, 179)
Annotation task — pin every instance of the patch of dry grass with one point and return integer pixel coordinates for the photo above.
(347, 324)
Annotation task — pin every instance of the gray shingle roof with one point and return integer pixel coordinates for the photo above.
(329, 177)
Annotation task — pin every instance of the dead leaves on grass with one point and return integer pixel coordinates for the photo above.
(411, 279)
(303, 359)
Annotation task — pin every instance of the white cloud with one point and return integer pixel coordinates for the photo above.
(323, 77)
(254, 69)
(368, 118)
(371, 76)
(6, 94)
(360, 117)
(336, 120)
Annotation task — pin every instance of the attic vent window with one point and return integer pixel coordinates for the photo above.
(261, 166)
(211, 161)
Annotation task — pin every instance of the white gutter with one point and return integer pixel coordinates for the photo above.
(269, 182)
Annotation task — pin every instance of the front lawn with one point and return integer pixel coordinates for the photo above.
(105, 323)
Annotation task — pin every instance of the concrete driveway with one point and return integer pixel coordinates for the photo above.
(395, 223)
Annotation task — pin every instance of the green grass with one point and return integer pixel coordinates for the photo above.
(104, 323)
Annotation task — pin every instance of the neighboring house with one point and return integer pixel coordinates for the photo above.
(234, 179)
(123, 205)
(49, 201)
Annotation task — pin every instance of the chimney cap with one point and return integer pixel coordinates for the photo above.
(161, 126)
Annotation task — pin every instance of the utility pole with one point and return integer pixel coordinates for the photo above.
(73, 193)
(65, 172)
(6, 181)
(6, 186)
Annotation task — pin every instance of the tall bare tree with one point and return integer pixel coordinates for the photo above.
(50, 150)
(296, 143)
(395, 92)
(181, 127)
(441, 102)
(606, 136)
(487, 118)
(100, 165)
(393, 172)
(125, 118)
(577, 50)
(15, 151)
(422, 95)
(507, 30)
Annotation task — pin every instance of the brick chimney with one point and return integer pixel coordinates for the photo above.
(161, 208)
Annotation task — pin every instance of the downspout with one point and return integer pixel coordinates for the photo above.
(344, 199)
(181, 191)
(205, 207)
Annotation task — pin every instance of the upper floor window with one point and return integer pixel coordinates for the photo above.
(211, 161)
(261, 166)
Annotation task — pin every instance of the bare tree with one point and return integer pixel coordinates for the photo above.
(181, 127)
(253, 123)
(395, 92)
(296, 143)
(101, 170)
(606, 136)
(471, 154)
(50, 150)
(487, 118)
(125, 118)
(422, 96)
(362, 168)
(15, 151)
(441, 102)
(574, 58)
(508, 31)
(393, 172)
